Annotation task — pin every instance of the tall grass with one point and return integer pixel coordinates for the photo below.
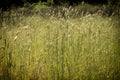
(59, 48)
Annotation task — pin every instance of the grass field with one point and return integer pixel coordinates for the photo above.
(59, 48)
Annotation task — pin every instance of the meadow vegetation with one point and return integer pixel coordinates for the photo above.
(61, 43)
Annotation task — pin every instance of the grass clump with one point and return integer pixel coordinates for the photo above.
(59, 48)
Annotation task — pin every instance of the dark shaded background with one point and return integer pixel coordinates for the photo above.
(7, 4)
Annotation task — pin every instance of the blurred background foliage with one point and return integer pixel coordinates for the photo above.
(7, 4)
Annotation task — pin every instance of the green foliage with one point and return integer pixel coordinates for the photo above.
(115, 6)
(114, 3)
(58, 47)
